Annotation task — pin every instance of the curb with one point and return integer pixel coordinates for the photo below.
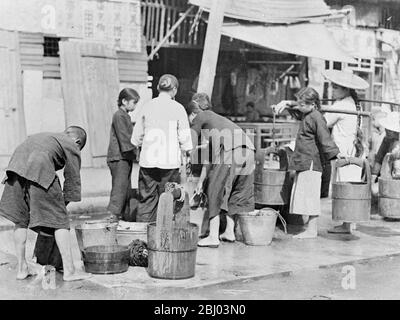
(285, 274)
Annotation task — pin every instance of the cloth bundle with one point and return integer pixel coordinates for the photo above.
(138, 254)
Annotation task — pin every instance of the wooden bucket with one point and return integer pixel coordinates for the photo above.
(389, 191)
(172, 241)
(272, 187)
(351, 201)
(106, 259)
(173, 255)
(389, 198)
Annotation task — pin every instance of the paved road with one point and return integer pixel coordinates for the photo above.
(373, 279)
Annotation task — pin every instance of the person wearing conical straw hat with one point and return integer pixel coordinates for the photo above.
(346, 129)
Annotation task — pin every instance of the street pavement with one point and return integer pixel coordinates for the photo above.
(235, 271)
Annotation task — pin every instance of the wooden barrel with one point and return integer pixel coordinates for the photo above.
(106, 259)
(272, 187)
(351, 201)
(389, 198)
(172, 252)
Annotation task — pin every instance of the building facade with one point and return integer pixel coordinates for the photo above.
(68, 59)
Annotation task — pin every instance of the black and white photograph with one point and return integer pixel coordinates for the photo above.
(212, 151)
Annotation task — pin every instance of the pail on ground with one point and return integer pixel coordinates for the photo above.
(106, 259)
(258, 227)
(172, 242)
(96, 233)
(272, 186)
(351, 201)
(137, 231)
(389, 191)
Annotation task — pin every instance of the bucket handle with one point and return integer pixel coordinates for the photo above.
(362, 163)
(281, 153)
(283, 221)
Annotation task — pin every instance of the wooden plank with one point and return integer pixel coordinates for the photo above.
(101, 87)
(32, 93)
(51, 75)
(25, 37)
(157, 20)
(12, 121)
(162, 22)
(73, 92)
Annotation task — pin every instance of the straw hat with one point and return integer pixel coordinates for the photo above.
(391, 122)
(346, 79)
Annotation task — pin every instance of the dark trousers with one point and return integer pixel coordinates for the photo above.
(326, 178)
(121, 187)
(152, 183)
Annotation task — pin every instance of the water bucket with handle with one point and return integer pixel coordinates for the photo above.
(351, 201)
(96, 233)
(172, 241)
(258, 228)
(272, 186)
(389, 191)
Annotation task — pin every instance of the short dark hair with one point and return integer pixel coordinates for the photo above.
(77, 132)
(128, 94)
(309, 95)
(203, 101)
(192, 107)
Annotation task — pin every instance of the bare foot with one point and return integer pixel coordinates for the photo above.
(25, 272)
(306, 235)
(77, 276)
(208, 242)
(227, 237)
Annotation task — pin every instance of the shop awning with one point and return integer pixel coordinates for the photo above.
(271, 11)
(305, 39)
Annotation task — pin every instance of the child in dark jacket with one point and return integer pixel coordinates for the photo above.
(121, 154)
(34, 199)
(312, 143)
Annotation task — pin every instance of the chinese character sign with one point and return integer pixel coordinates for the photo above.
(118, 23)
(113, 22)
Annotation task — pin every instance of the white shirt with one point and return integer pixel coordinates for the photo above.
(162, 131)
(344, 126)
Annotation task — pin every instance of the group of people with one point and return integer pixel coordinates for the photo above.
(164, 134)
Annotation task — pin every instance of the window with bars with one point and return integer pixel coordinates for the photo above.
(370, 70)
(51, 48)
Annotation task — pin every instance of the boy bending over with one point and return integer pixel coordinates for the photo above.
(33, 197)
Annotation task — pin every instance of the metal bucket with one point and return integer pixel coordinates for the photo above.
(96, 233)
(138, 231)
(106, 259)
(351, 201)
(272, 186)
(258, 230)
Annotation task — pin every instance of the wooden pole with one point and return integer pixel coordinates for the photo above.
(211, 47)
(344, 111)
(170, 32)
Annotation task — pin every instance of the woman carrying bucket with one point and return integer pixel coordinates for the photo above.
(346, 129)
(313, 141)
(229, 178)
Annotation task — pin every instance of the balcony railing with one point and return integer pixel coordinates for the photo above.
(159, 16)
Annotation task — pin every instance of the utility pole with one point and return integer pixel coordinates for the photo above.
(211, 47)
